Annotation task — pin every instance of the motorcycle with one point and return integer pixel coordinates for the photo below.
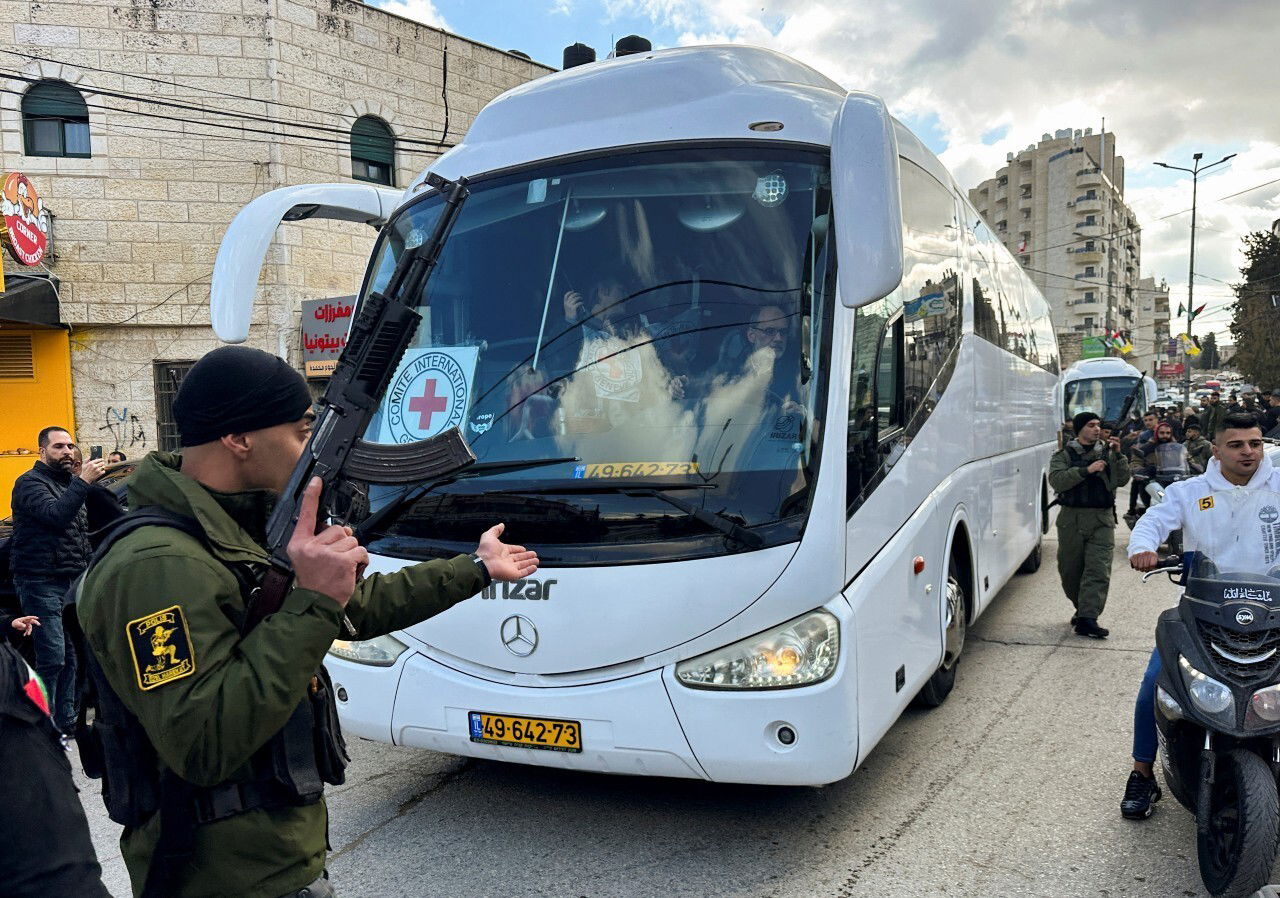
(1217, 709)
(1171, 466)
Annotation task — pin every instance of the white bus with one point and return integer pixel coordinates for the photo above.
(1102, 385)
(794, 400)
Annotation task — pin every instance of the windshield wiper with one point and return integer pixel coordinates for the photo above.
(716, 520)
(478, 469)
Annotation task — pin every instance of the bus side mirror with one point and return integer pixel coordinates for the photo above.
(866, 200)
(1152, 391)
(244, 245)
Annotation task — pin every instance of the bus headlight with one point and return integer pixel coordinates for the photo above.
(798, 653)
(1208, 694)
(381, 651)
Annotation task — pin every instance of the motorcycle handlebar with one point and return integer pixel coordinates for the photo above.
(1170, 565)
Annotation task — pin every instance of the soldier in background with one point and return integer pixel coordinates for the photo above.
(1085, 473)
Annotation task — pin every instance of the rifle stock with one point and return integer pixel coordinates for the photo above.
(382, 331)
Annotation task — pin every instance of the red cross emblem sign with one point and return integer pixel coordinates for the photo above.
(429, 394)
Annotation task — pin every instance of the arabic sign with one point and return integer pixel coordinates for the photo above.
(1092, 348)
(1168, 369)
(26, 226)
(324, 333)
(429, 393)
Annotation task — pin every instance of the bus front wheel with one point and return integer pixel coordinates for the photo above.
(939, 686)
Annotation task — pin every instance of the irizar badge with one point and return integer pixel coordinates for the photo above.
(161, 647)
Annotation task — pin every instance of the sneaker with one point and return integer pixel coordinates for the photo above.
(1140, 793)
(1088, 626)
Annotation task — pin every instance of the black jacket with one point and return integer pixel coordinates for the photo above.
(50, 524)
(46, 849)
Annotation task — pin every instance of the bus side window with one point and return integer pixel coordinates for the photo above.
(876, 407)
(889, 380)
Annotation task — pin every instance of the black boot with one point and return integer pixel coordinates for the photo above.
(1088, 626)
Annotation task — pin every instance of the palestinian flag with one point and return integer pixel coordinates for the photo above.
(34, 689)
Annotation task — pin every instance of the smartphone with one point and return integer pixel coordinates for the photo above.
(95, 452)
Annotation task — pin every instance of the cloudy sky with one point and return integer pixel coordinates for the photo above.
(979, 78)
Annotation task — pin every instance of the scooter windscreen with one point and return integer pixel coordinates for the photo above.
(1171, 460)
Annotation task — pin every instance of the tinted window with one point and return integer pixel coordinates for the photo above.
(904, 345)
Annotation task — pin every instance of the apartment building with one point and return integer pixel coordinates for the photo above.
(1059, 207)
(144, 128)
(1151, 328)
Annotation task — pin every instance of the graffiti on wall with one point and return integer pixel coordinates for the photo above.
(125, 429)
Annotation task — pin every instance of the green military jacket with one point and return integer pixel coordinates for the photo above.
(152, 611)
(1199, 451)
(1063, 475)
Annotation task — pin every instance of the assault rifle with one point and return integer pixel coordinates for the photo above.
(1123, 417)
(336, 453)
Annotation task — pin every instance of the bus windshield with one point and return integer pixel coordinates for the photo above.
(1104, 396)
(659, 321)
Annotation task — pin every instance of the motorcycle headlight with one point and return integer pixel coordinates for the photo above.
(381, 651)
(798, 653)
(1264, 708)
(1207, 694)
(1168, 704)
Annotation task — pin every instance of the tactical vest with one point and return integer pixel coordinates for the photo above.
(1092, 492)
(290, 770)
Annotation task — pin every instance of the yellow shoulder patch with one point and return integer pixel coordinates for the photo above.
(1206, 503)
(161, 647)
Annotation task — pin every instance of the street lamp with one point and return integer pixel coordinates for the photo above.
(1191, 272)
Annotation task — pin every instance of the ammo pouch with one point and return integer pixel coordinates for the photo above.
(289, 770)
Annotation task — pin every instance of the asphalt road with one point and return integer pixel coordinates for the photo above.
(1011, 788)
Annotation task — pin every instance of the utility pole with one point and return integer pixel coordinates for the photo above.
(1195, 171)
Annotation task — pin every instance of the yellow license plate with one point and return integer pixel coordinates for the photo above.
(525, 732)
(636, 469)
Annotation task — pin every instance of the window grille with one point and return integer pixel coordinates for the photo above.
(168, 377)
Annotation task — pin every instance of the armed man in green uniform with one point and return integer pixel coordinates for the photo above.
(1085, 473)
(238, 732)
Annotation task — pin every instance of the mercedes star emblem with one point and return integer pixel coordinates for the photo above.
(519, 635)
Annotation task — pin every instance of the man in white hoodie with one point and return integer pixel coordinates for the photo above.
(1203, 507)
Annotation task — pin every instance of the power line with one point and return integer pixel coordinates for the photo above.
(1138, 228)
(230, 127)
(212, 124)
(175, 84)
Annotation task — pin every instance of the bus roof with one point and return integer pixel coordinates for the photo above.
(681, 94)
(1108, 366)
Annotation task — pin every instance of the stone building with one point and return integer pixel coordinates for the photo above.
(145, 127)
(1151, 329)
(1059, 207)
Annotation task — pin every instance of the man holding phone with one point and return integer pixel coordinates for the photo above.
(50, 548)
(1085, 474)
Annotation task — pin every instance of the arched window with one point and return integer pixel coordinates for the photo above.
(373, 151)
(55, 121)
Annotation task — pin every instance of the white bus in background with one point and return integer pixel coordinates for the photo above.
(1101, 386)
(803, 398)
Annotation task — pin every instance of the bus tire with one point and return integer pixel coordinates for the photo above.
(1031, 563)
(939, 686)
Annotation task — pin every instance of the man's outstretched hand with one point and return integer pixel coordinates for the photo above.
(505, 562)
